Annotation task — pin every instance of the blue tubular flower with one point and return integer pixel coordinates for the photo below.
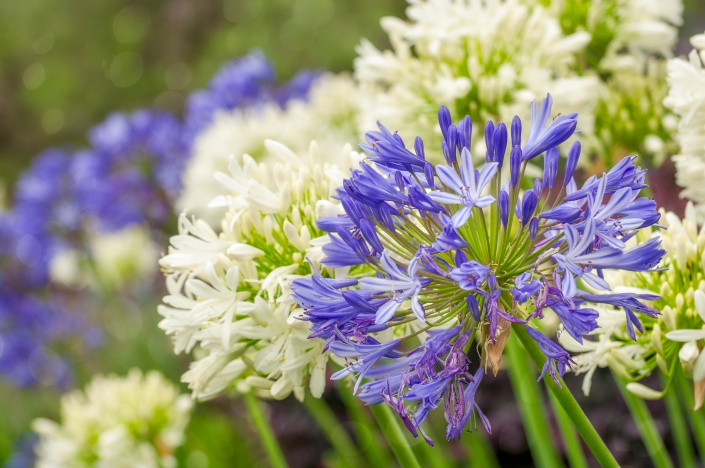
(525, 286)
(400, 285)
(368, 355)
(471, 264)
(541, 137)
(468, 187)
(557, 359)
(388, 150)
(631, 303)
(470, 275)
(344, 250)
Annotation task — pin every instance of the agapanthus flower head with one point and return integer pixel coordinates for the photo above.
(229, 297)
(451, 274)
(676, 336)
(138, 159)
(136, 420)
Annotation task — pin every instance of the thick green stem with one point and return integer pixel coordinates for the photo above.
(696, 418)
(266, 435)
(365, 429)
(645, 423)
(567, 401)
(529, 398)
(333, 430)
(387, 421)
(481, 453)
(573, 448)
(681, 436)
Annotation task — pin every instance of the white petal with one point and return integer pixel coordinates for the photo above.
(700, 303)
(686, 335)
(699, 369)
(643, 391)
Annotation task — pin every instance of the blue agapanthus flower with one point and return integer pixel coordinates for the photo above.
(455, 254)
(132, 172)
(248, 81)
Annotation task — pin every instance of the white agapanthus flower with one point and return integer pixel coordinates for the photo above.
(686, 98)
(327, 116)
(229, 299)
(133, 421)
(676, 335)
(114, 259)
(485, 58)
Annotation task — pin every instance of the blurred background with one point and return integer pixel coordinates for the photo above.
(64, 66)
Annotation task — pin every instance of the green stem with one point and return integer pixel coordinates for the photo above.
(567, 401)
(365, 429)
(645, 423)
(573, 448)
(395, 436)
(528, 397)
(696, 418)
(681, 437)
(481, 453)
(333, 430)
(266, 435)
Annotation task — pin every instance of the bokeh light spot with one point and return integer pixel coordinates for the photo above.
(53, 121)
(296, 35)
(237, 11)
(126, 69)
(33, 76)
(44, 43)
(28, 250)
(131, 24)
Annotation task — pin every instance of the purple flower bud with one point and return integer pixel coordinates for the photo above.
(533, 227)
(516, 131)
(474, 307)
(444, 120)
(368, 232)
(573, 156)
(500, 143)
(399, 178)
(450, 147)
(418, 147)
(550, 168)
(351, 208)
(428, 172)
(528, 206)
(465, 133)
(504, 207)
(460, 257)
(489, 141)
(515, 164)
(385, 216)
(538, 186)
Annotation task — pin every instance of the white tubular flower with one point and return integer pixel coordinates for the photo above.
(677, 334)
(138, 420)
(328, 116)
(229, 299)
(686, 98)
(458, 53)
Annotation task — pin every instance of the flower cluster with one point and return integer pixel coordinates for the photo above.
(593, 56)
(459, 256)
(458, 52)
(229, 293)
(676, 335)
(138, 420)
(686, 98)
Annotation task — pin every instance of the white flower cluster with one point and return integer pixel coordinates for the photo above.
(686, 98)
(679, 331)
(229, 293)
(327, 116)
(490, 58)
(485, 58)
(135, 421)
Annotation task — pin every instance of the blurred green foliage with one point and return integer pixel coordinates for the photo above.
(65, 65)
